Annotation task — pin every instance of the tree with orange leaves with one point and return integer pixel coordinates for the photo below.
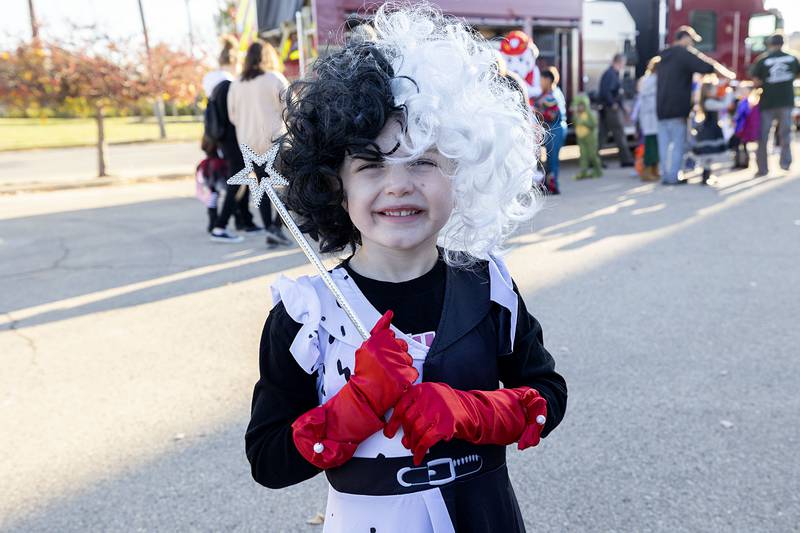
(176, 73)
(45, 74)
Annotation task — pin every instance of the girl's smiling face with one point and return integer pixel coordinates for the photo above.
(397, 206)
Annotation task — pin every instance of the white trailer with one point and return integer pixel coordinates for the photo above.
(607, 28)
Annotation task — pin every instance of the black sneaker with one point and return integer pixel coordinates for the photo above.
(250, 229)
(218, 235)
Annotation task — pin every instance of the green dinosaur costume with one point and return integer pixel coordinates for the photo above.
(586, 134)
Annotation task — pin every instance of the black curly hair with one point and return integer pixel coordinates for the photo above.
(340, 110)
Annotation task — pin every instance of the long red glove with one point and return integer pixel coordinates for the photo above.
(430, 412)
(328, 435)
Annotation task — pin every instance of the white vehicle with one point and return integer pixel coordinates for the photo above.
(607, 28)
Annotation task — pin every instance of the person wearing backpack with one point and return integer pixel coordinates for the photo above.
(219, 128)
(254, 108)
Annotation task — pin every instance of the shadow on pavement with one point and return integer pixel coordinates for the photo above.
(637, 208)
(647, 391)
(141, 252)
(47, 259)
(183, 489)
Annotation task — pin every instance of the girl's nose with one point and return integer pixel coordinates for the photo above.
(398, 180)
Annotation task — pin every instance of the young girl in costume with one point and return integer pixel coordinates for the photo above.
(210, 177)
(394, 146)
(709, 140)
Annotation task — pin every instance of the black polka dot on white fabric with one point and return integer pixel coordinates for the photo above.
(323, 319)
(343, 371)
(330, 339)
(343, 333)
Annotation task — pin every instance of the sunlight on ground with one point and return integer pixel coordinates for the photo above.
(118, 387)
(559, 261)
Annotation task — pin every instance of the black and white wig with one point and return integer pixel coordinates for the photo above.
(441, 79)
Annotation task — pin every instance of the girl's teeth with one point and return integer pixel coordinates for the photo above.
(400, 213)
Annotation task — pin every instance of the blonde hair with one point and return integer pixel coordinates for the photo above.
(652, 65)
(270, 59)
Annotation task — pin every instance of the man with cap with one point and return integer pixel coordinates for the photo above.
(774, 71)
(676, 69)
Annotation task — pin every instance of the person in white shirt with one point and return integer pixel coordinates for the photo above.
(226, 70)
(236, 203)
(255, 105)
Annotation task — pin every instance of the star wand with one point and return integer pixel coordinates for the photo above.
(260, 184)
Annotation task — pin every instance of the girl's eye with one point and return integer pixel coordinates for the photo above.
(369, 166)
(423, 162)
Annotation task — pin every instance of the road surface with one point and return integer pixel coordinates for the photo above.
(129, 346)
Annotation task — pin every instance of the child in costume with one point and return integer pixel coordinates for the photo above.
(747, 124)
(210, 177)
(647, 119)
(520, 54)
(551, 108)
(392, 146)
(709, 143)
(586, 134)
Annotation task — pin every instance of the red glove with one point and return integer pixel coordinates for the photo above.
(329, 434)
(431, 412)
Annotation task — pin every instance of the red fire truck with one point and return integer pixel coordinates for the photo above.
(733, 31)
(555, 27)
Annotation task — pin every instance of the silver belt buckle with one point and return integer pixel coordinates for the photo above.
(445, 460)
(449, 478)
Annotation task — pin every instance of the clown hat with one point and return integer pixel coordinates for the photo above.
(515, 43)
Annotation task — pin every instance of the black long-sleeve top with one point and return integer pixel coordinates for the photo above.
(284, 390)
(675, 72)
(610, 86)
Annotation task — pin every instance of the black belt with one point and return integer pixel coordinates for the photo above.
(382, 476)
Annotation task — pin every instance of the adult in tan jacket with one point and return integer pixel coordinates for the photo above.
(255, 106)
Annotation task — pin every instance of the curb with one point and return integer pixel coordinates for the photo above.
(15, 188)
(94, 145)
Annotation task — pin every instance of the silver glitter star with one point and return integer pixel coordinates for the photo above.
(248, 176)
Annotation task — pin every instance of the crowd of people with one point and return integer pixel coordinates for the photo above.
(689, 110)
(684, 124)
(246, 111)
(689, 113)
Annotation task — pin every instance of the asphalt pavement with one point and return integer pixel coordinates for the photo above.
(129, 346)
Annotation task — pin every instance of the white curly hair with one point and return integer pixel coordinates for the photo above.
(459, 104)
